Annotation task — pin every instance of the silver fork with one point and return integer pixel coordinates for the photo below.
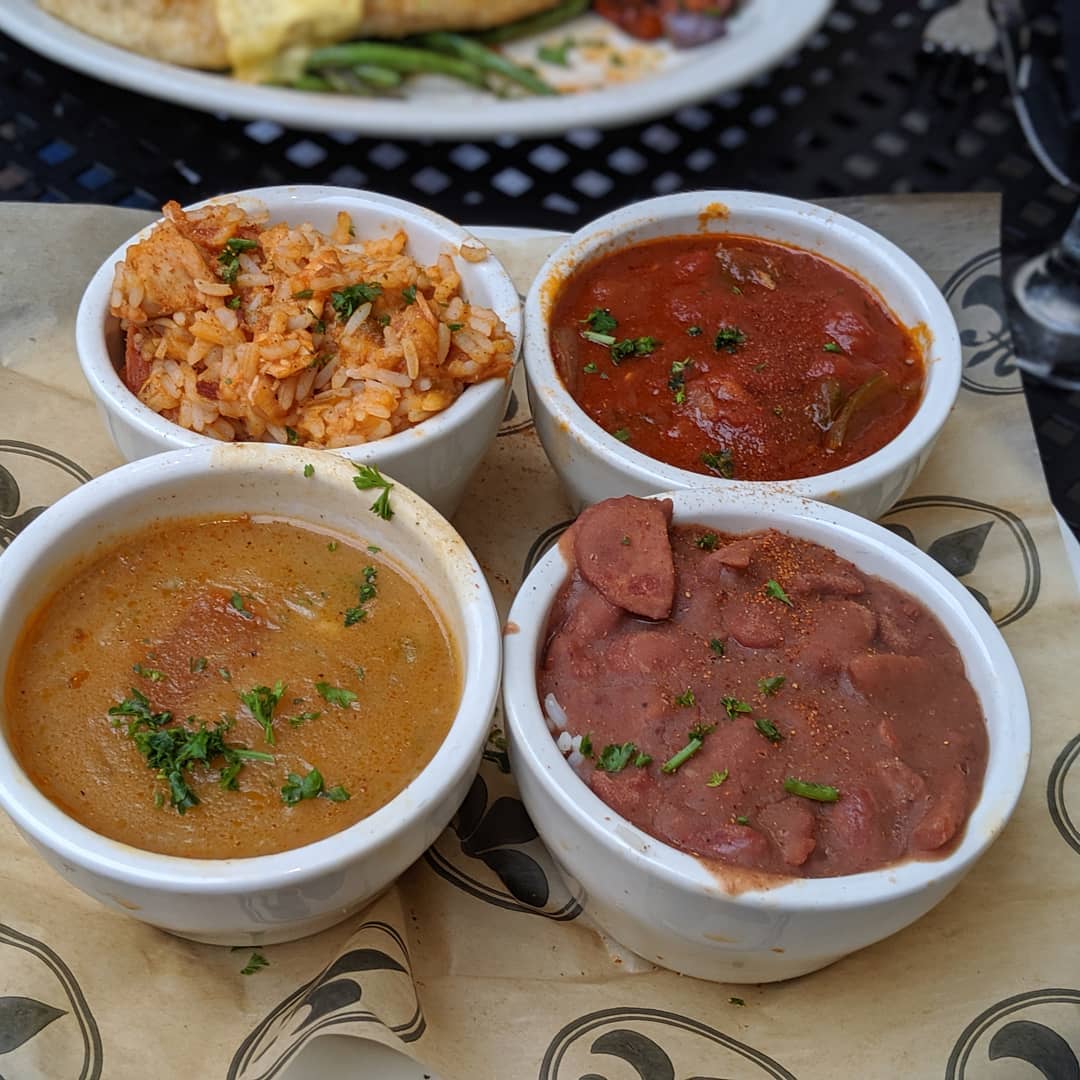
(966, 28)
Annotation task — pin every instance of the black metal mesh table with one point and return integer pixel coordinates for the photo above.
(858, 110)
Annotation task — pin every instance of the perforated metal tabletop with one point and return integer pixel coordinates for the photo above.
(858, 110)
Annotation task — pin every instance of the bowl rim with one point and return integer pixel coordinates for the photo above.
(533, 747)
(716, 207)
(480, 648)
(113, 395)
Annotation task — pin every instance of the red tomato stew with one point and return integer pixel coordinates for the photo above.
(757, 699)
(735, 356)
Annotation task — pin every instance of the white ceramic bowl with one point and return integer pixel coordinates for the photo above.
(435, 458)
(267, 898)
(594, 465)
(664, 904)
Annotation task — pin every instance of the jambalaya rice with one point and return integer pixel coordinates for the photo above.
(243, 330)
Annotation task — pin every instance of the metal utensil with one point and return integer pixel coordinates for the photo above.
(965, 29)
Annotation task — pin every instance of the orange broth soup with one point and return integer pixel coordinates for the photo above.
(229, 688)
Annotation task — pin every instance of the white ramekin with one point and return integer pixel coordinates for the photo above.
(267, 898)
(435, 458)
(594, 465)
(664, 904)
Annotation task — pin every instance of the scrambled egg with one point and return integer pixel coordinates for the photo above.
(255, 33)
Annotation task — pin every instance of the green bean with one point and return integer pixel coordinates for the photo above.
(535, 24)
(472, 51)
(309, 82)
(396, 58)
(383, 78)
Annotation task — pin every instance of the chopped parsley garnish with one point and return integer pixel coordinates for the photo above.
(685, 699)
(777, 410)
(256, 962)
(717, 778)
(292, 435)
(454, 327)
(383, 319)
(225, 673)
(697, 740)
(374, 549)
(311, 786)
(760, 367)
(303, 718)
(768, 729)
(597, 338)
(642, 760)
(585, 746)
(351, 297)
(151, 673)
(408, 294)
(625, 541)
(720, 461)
(728, 339)
(262, 701)
(556, 54)
(197, 664)
(369, 477)
(642, 346)
(831, 346)
(677, 379)
(772, 589)
(361, 674)
(771, 684)
(236, 602)
(233, 302)
(742, 819)
(335, 695)
(694, 331)
(615, 758)
(817, 792)
(589, 368)
(733, 706)
(170, 751)
(354, 615)
(309, 470)
(707, 541)
(717, 646)
(228, 260)
(601, 321)
(622, 434)
(736, 290)
(303, 294)
(368, 591)
(332, 546)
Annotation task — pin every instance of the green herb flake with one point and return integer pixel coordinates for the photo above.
(589, 368)
(197, 664)
(351, 297)
(368, 477)
(771, 684)
(225, 673)
(233, 303)
(408, 294)
(742, 819)
(694, 331)
(601, 321)
(767, 728)
(717, 778)
(256, 962)
(777, 411)
(585, 748)
(734, 707)
(303, 718)
(720, 461)
(688, 751)
(335, 695)
(641, 346)
(728, 339)
(817, 792)
(292, 435)
(337, 794)
(236, 602)
(309, 470)
(332, 546)
(642, 760)
(298, 787)
(361, 674)
(759, 367)
(454, 327)
(831, 346)
(262, 701)
(677, 379)
(374, 549)
(707, 541)
(615, 757)
(685, 699)
(355, 615)
(238, 244)
(622, 434)
(773, 590)
(383, 318)
(606, 340)
(736, 290)
(153, 674)
(303, 294)
(717, 646)
(556, 54)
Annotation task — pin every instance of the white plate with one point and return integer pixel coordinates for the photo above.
(762, 33)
